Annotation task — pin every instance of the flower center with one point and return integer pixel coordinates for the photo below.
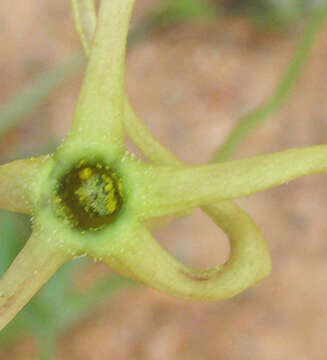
(90, 196)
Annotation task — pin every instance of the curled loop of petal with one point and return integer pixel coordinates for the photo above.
(139, 256)
(249, 261)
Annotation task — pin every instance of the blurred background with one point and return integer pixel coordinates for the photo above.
(194, 68)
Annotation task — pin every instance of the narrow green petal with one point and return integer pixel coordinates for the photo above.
(85, 21)
(176, 188)
(140, 256)
(99, 111)
(33, 266)
(16, 180)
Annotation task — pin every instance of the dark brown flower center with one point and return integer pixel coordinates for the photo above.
(90, 196)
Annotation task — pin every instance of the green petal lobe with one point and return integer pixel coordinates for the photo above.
(33, 266)
(176, 188)
(99, 111)
(16, 182)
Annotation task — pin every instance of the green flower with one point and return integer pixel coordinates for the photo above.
(93, 198)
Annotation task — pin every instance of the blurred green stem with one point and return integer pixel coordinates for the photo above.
(47, 349)
(261, 113)
(78, 304)
(25, 102)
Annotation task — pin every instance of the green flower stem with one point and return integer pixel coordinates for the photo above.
(99, 109)
(15, 184)
(34, 265)
(261, 113)
(171, 186)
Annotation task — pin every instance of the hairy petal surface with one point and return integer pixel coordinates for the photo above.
(16, 179)
(176, 188)
(99, 110)
(33, 266)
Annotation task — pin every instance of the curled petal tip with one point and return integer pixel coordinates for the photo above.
(139, 256)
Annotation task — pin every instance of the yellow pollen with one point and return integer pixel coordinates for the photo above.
(120, 187)
(109, 186)
(112, 205)
(90, 196)
(85, 173)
